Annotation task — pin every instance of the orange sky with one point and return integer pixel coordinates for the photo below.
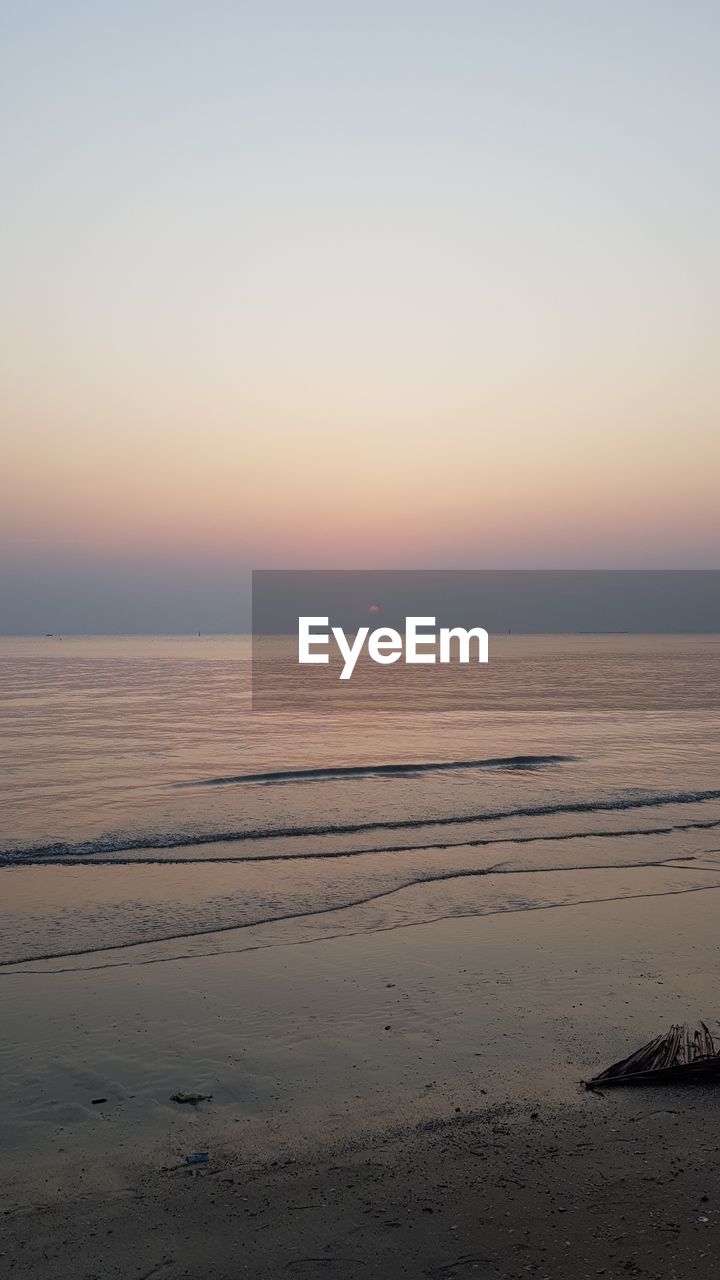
(361, 290)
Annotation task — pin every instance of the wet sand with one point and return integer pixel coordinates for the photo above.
(404, 1102)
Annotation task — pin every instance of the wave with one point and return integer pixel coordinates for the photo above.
(367, 899)
(334, 773)
(317, 855)
(115, 842)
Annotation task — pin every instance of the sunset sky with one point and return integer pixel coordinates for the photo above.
(300, 283)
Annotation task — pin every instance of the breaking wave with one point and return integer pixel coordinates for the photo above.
(114, 842)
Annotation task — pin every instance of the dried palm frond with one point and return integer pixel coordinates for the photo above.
(681, 1054)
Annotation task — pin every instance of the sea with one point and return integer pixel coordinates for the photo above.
(147, 805)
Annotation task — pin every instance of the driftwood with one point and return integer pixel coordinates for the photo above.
(681, 1055)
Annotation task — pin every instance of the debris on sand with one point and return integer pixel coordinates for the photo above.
(681, 1055)
(199, 1157)
(192, 1098)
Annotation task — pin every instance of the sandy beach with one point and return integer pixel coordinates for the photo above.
(381, 960)
(405, 1102)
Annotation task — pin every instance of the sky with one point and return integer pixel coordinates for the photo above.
(300, 283)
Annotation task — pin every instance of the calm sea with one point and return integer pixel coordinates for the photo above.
(145, 804)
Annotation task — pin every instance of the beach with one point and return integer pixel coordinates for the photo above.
(381, 972)
(409, 1107)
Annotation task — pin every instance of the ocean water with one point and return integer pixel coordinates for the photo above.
(145, 805)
